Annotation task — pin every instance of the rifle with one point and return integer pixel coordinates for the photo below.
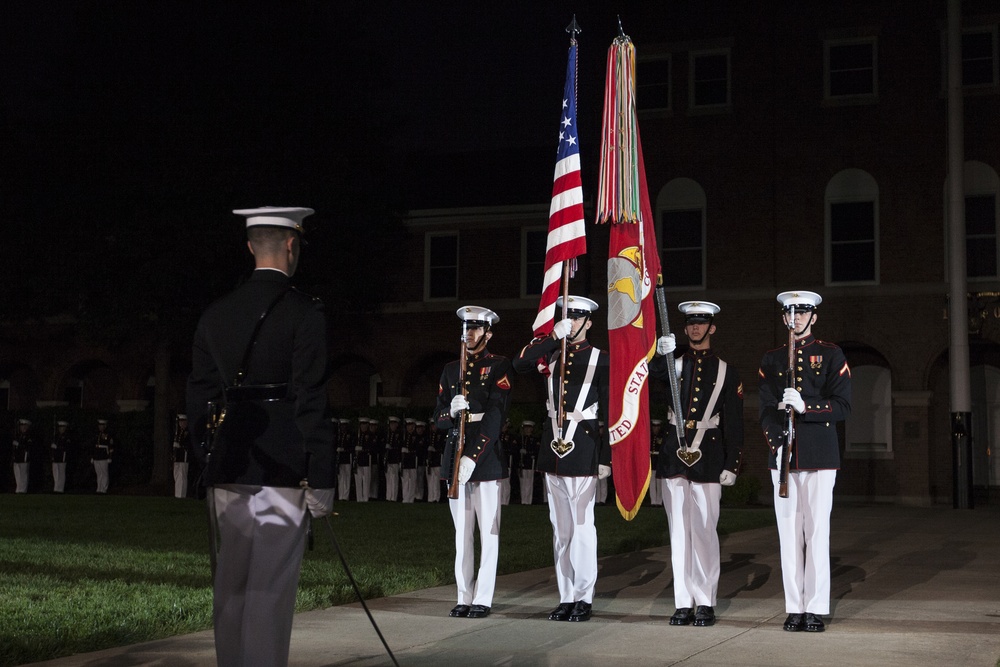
(460, 440)
(682, 450)
(786, 452)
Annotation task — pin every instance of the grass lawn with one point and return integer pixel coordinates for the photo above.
(82, 573)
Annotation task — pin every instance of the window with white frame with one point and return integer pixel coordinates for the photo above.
(852, 247)
(441, 279)
(652, 84)
(533, 243)
(680, 208)
(979, 57)
(709, 79)
(850, 68)
(982, 212)
(868, 433)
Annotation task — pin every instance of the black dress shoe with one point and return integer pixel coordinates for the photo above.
(704, 616)
(478, 611)
(460, 610)
(794, 623)
(562, 612)
(581, 612)
(813, 623)
(682, 616)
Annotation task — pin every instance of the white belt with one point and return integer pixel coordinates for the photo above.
(474, 416)
(586, 414)
(712, 422)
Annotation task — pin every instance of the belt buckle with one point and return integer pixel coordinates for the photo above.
(690, 424)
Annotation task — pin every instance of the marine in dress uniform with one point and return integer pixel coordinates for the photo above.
(21, 448)
(527, 455)
(393, 457)
(58, 452)
(410, 458)
(101, 455)
(345, 453)
(436, 441)
(479, 394)
(376, 446)
(655, 444)
(819, 393)
(572, 455)
(362, 462)
(273, 458)
(711, 396)
(182, 455)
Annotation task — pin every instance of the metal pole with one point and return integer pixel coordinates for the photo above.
(961, 400)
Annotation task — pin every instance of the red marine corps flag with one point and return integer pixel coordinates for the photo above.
(567, 237)
(633, 264)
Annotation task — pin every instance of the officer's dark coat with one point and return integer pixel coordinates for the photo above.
(487, 384)
(590, 447)
(824, 380)
(277, 443)
(721, 448)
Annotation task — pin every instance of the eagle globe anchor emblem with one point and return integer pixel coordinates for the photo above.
(562, 447)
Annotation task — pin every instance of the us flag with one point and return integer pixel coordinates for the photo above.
(567, 235)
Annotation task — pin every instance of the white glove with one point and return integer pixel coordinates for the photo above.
(404, 450)
(319, 501)
(465, 468)
(524, 451)
(794, 398)
(562, 329)
(15, 442)
(666, 345)
(458, 404)
(727, 478)
(358, 448)
(432, 449)
(340, 450)
(603, 471)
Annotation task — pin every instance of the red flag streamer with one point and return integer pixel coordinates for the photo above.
(633, 263)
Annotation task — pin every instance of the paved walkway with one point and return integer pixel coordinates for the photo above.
(911, 586)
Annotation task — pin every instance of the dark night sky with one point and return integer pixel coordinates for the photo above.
(202, 105)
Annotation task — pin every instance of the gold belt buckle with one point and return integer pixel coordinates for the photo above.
(690, 424)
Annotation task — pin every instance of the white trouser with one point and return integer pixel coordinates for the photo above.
(262, 534)
(180, 479)
(804, 531)
(59, 477)
(392, 481)
(374, 479)
(101, 468)
(505, 491)
(574, 536)
(434, 484)
(343, 481)
(409, 484)
(420, 484)
(527, 485)
(655, 491)
(476, 501)
(362, 483)
(693, 516)
(21, 477)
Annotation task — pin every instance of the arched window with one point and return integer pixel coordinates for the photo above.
(852, 228)
(868, 432)
(680, 214)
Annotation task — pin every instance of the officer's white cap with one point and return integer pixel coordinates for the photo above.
(477, 314)
(275, 216)
(409, 420)
(695, 311)
(344, 420)
(577, 304)
(62, 423)
(421, 423)
(24, 421)
(102, 421)
(655, 422)
(363, 420)
(394, 418)
(182, 416)
(801, 300)
(527, 422)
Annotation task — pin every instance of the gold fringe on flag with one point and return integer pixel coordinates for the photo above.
(618, 189)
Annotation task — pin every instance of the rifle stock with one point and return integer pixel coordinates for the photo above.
(786, 451)
(460, 442)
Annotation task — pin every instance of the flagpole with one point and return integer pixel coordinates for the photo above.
(573, 29)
